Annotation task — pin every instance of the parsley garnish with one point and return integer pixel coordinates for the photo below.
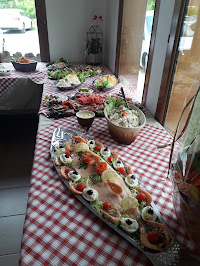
(96, 178)
(83, 165)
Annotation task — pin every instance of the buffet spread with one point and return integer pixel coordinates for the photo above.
(103, 179)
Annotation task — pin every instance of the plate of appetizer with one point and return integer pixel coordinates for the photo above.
(4, 71)
(105, 82)
(70, 81)
(59, 64)
(108, 187)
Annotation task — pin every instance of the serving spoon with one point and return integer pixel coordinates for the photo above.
(123, 95)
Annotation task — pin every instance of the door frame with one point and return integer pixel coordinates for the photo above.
(40, 9)
(170, 64)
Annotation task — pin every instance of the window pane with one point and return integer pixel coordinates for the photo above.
(18, 30)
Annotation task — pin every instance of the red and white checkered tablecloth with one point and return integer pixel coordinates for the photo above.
(6, 82)
(60, 230)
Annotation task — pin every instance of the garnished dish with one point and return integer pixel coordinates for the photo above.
(22, 60)
(70, 81)
(59, 64)
(4, 71)
(110, 189)
(106, 82)
(124, 123)
(58, 73)
(82, 71)
(24, 64)
(88, 70)
(60, 107)
(120, 115)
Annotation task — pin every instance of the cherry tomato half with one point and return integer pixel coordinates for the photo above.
(80, 186)
(107, 206)
(68, 153)
(110, 159)
(67, 170)
(121, 170)
(140, 197)
(86, 158)
(153, 237)
(97, 148)
(101, 167)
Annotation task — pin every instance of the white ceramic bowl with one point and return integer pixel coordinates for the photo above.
(125, 135)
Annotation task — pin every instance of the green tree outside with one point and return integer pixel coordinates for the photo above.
(151, 4)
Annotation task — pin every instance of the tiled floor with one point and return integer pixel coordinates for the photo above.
(17, 141)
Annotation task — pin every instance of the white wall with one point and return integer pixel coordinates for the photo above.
(161, 42)
(68, 22)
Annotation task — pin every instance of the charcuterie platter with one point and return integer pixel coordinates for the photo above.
(60, 107)
(109, 187)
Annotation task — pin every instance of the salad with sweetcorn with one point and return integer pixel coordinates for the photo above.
(106, 81)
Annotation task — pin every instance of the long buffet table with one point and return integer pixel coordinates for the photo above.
(60, 230)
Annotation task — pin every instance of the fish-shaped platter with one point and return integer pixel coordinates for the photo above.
(100, 179)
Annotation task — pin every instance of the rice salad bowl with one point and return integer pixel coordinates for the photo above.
(124, 123)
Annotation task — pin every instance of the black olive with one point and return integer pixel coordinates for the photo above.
(91, 142)
(118, 161)
(75, 173)
(66, 156)
(90, 192)
(150, 211)
(106, 149)
(129, 222)
(133, 177)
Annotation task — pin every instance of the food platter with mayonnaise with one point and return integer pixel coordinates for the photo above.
(106, 185)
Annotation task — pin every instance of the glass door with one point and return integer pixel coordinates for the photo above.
(186, 76)
(136, 31)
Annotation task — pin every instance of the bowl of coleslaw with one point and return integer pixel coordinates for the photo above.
(124, 124)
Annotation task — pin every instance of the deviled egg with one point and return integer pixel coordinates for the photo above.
(91, 144)
(148, 213)
(105, 152)
(65, 159)
(74, 175)
(129, 225)
(117, 164)
(131, 180)
(90, 194)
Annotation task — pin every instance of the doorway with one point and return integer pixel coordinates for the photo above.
(136, 29)
(185, 78)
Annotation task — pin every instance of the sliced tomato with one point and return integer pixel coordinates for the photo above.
(97, 148)
(86, 157)
(101, 167)
(141, 197)
(121, 170)
(110, 159)
(68, 153)
(120, 107)
(65, 107)
(80, 186)
(107, 206)
(67, 170)
(153, 237)
(124, 113)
